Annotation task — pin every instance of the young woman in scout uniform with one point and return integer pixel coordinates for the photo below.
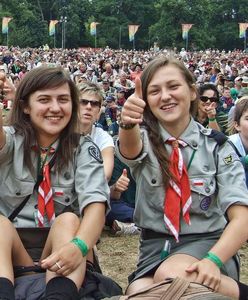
(42, 129)
(187, 184)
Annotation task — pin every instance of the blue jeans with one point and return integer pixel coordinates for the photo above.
(120, 211)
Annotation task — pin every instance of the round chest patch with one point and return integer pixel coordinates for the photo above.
(205, 203)
(95, 153)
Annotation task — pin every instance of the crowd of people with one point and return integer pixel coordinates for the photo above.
(153, 143)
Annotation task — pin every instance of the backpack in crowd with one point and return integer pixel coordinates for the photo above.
(174, 289)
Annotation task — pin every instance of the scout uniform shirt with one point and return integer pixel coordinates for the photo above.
(81, 183)
(216, 177)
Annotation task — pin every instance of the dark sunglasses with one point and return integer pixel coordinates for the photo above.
(205, 99)
(93, 103)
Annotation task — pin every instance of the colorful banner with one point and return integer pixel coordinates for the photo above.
(242, 30)
(5, 22)
(132, 29)
(52, 27)
(93, 28)
(185, 30)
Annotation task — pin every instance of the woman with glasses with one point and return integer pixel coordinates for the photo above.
(207, 114)
(90, 103)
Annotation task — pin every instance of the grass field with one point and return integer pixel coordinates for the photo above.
(118, 257)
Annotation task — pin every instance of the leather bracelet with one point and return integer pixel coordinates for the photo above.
(215, 259)
(126, 126)
(81, 245)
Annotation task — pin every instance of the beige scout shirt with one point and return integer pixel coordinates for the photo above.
(216, 177)
(73, 188)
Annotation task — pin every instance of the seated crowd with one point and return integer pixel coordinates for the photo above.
(121, 130)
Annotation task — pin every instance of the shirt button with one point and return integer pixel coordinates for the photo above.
(194, 144)
(154, 181)
(207, 189)
(18, 193)
(36, 206)
(67, 176)
(67, 200)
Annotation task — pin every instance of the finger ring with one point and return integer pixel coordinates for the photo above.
(58, 265)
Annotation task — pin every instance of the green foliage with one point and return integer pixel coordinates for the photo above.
(215, 22)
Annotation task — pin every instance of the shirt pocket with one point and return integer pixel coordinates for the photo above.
(14, 191)
(203, 194)
(64, 195)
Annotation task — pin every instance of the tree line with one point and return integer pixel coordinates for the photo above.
(215, 23)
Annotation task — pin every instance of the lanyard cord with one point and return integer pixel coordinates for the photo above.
(191, 159)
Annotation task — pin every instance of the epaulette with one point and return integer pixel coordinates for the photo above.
(218, 136)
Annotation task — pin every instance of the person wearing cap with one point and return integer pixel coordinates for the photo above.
(120, 97)
(111, 110)
(90, 75)
(106, 89)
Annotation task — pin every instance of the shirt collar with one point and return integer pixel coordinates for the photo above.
(190, 135)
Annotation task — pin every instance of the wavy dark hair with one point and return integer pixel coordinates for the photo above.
(208, 86)
(150, 121)
(39, 79)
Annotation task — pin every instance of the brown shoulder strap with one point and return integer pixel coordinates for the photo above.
(176, 289)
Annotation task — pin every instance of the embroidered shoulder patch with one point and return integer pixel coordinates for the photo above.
(228, 159)
(95, 153)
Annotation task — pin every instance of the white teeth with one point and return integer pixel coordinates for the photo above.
(53, 118)
(168, 106)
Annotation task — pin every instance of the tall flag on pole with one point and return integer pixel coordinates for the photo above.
(5, 22)
(185, 30)
(52, 27)
(242, 29)
(132, 29)
(93, 28)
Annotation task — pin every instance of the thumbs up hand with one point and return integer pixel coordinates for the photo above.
(133, 108)
(122, 183)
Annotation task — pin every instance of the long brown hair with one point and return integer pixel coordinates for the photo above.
(39, 79)
(150, 121)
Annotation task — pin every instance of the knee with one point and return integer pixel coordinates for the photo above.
(169, 271)
(5, 224)
(68, 219)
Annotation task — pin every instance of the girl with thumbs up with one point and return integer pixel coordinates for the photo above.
(191, 196)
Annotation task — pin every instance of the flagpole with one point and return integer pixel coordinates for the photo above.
(7, 38)
(245, 41)
(187, 42)
(134, 42)
(120, 38)
(54, 40)
(95, 41)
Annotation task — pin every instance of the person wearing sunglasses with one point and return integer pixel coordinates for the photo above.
(90, 101)
(208, 102)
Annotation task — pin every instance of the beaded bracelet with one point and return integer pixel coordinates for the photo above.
(81, 245)
(215, 259)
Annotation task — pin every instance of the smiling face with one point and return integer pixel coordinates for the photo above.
(50, 111)
(169, 97)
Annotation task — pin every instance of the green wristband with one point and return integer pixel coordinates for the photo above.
(81, 245)
(246, 160)
(211, 119)
(215, 259)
